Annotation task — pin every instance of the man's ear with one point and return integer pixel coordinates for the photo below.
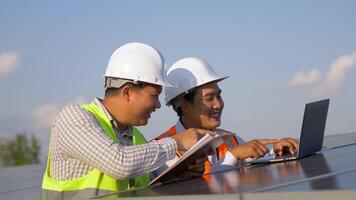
(185, 105)
(126, 92)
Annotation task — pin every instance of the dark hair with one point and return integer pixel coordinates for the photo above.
(109, 92)
(188, 97)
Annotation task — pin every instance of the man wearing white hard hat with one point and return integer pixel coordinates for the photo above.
(95, 148)
(198, 103)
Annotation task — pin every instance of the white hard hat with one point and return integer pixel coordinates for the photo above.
(136, 62)
(187, 74)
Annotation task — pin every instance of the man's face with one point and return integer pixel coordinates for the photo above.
(144, 102)
(206, 110)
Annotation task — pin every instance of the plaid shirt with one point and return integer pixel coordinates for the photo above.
(78, 145)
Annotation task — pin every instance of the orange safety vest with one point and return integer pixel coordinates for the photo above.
(221, 150)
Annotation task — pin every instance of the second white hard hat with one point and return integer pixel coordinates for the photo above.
(186, 74)
(136, 62)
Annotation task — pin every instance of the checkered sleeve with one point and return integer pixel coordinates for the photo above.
(81, 137)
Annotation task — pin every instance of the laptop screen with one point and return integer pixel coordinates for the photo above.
(313, 127)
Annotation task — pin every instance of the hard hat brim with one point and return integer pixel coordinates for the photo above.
(186, 92)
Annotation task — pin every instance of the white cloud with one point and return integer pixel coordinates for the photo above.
(332, 80)
(44, 115)
(336, 75)
(9, 61)
(302, 78)
(77, 100)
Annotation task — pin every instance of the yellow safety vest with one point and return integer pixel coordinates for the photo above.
(95, 182)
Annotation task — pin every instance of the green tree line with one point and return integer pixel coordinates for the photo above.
(19, 150)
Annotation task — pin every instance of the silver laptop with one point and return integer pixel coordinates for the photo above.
(311, 136)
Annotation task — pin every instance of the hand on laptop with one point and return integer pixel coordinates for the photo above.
(285, 146)
(252, 149)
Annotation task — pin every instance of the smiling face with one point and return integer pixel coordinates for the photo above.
(205, 110)
(143, 102)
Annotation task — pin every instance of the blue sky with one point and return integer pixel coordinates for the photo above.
(279, 55)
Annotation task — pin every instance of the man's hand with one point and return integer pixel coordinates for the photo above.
(252, 149)
(285, 146)
(189, 137)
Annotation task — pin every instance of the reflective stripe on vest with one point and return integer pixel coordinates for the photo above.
(221, 150)
(95, 182)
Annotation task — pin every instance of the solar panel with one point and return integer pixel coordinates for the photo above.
(333, 169)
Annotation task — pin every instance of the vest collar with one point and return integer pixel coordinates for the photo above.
(127, 132)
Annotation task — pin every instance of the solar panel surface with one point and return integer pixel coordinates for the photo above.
(334, 169)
